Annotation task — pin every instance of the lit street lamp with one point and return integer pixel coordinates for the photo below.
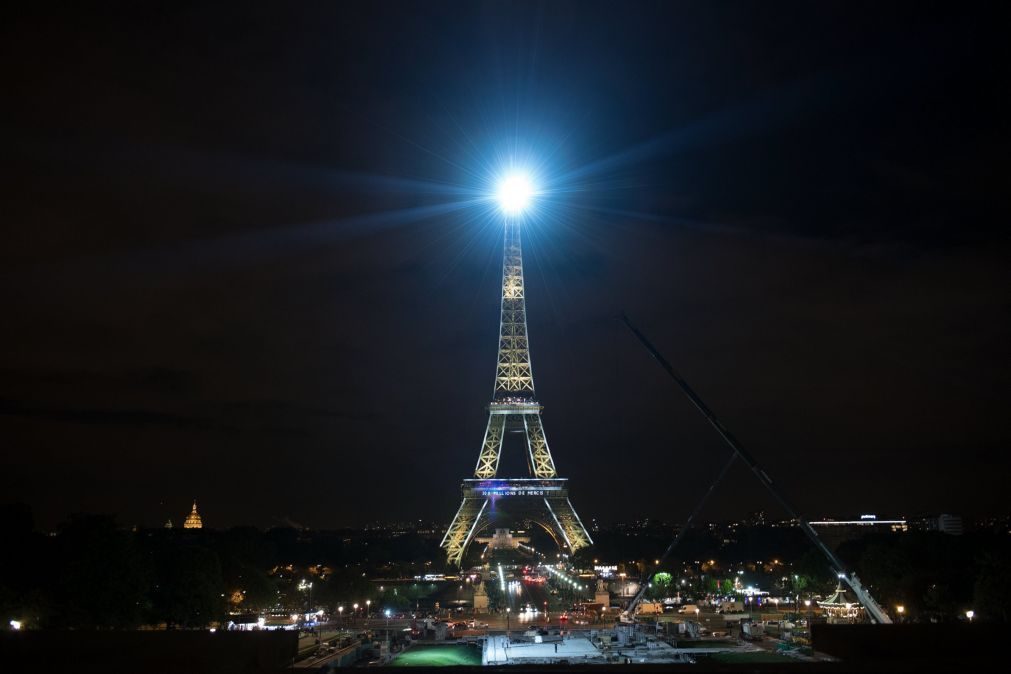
(970, 615)
(340, 612)
(507, 621)
(900, 609)
(368, 604)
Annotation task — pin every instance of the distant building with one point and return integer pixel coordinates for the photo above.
(950, 524)
(944, 523)
(503, 539)
(193, 520)
(168, 523)
(865, 523)
(838, 531)
(244, 622)
(996, 523)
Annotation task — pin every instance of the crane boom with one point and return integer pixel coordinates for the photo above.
(877, 613)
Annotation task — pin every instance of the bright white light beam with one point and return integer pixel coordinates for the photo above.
(514, 193)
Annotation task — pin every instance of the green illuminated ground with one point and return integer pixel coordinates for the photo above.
(438, 656)
(751, 657)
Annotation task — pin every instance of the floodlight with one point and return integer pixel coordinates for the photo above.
(514, 193)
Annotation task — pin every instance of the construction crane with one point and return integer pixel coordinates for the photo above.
(874, 609)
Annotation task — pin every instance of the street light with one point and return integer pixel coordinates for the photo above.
(340, 612)
(368, 604)
(356, 611)
(507, 621)
(900, 609)
(970, 615)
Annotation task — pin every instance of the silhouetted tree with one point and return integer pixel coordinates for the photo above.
(189, 590)
(100, 578)
(992, 591)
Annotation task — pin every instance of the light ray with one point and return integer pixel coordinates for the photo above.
(776, 108)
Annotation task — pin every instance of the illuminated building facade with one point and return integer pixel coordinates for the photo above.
(836, 532)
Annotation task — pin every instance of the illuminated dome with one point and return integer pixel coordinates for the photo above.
(193, 520)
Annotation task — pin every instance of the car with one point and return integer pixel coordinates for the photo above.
(475, 625)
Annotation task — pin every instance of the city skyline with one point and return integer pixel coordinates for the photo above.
(436, 526)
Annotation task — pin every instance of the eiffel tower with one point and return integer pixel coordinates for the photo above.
(542, 497)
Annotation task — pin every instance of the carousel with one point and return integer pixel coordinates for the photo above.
(841, 607)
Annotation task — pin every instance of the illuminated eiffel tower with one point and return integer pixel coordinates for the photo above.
(541, 497)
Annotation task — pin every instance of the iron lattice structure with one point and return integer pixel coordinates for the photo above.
(542, 497)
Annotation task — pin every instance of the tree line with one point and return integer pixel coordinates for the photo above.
(92, 573)
(933, 576)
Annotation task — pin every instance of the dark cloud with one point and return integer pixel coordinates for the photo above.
(116, 417)
(158, 380)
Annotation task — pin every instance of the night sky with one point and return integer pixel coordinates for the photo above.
(239, 262)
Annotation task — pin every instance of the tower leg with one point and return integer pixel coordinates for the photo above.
(542, 465)
(491, 448)
(465, 523)
(565, 517)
